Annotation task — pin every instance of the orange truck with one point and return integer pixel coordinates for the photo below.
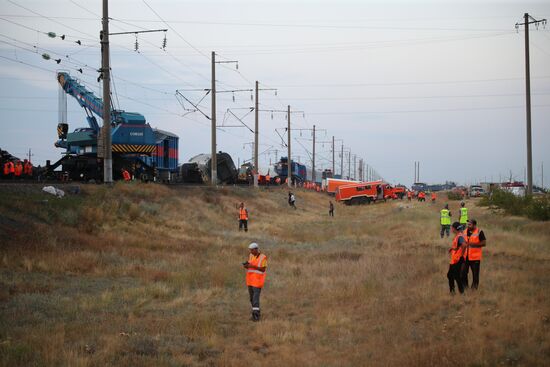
(332, 184)
(363, 192)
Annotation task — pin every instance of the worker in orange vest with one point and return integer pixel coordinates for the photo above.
(278, 180)
(434, 197)
(421, 196)
(243, 218)
(7, 169)
(27, 168)
(18, 169)
(267, 179)
(126, 175)
(256, 267)
(409, 195)
(472, 256)
(457, 252)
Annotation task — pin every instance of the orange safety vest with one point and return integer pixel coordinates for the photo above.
(256, 278)
(11, 167)
(433, 196)
(409, 194)
(6, 169)
(126, 175)
(473, 254)
(243, 214)
(267, 178)
(456, 252)
(27, 169)
(18, 169)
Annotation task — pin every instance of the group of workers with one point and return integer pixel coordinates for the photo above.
(466, 249)
(421, 196)
(465, 253)
(17, 170)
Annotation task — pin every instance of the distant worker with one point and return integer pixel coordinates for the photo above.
(278, 180)
(409, 195)
(9, 169)
(456, 251)
(434, 197)
(243, 218)
(18, 170)
(445, 220)
(126, 175)
(267, 179)
(331, 209)
(291, 200)
(27, 169)
(463, 215)
(476, 240)
(255, 277)
(421, 196)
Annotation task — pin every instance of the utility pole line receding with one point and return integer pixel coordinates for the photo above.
(289, 159)
(313, 158)
(105, 70)
(213, 158)
(527, 21)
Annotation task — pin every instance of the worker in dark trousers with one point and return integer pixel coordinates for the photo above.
(457, 258)
(445, 220)
(255, 277)
(331, 209)
(243, 218)
(472, 257)
(291, 200)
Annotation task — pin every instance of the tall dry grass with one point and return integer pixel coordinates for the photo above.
(142, 275)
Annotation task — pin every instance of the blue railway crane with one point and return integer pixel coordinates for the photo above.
(136, 146)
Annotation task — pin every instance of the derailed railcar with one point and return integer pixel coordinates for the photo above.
(198, 169)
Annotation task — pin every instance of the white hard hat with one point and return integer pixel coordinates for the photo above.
(253, 245)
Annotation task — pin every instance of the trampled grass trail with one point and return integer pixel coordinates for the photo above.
(148, 275)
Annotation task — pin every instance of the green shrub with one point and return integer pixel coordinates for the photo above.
(536, 208)
(539, 209)
(454, 195)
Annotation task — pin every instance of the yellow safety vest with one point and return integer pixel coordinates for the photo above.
(445, 217)
(463, 215)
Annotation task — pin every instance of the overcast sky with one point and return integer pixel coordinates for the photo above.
(439, 82)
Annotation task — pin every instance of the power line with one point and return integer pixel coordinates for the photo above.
(422, 111)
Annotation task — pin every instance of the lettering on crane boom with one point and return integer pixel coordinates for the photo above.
(136, 133)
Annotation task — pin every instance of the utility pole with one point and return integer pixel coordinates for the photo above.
(289, 159)
(106, 73)
(414, 181)
(313, 158)
(355, 167)
(256, 126)
(349, 165)
(418, 174)
(213, 158)
(257, 129)
(527, 20)
(342, 162)
(542, 175)
(333, 166)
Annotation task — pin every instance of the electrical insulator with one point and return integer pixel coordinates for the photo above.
(272, 115)
(237, 65)
(51, 34)
(136, 45)
(233, 97)
(62, 37)
(164, 42)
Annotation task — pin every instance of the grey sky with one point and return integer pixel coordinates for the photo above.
(438, 82)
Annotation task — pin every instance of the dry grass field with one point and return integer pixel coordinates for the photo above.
(148, 275)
